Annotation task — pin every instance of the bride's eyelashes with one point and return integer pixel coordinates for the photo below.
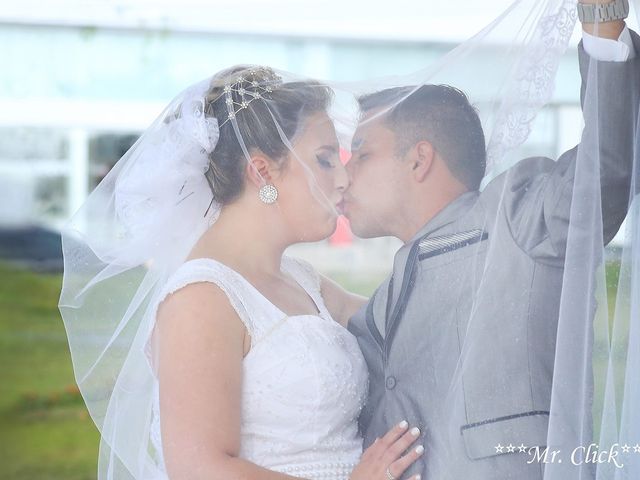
(325, 160)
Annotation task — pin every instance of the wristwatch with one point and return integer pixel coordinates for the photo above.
(603, 12)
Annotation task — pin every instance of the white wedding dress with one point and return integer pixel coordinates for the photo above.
(304, 380)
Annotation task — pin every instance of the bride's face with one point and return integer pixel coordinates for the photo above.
(312, 184)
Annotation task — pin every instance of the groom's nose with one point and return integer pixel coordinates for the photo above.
(345, 180)
(350, 169)
(342, 179)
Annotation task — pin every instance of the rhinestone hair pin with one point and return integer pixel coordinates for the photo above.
(252, 85)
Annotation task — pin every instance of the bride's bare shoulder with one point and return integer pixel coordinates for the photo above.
(196, 307)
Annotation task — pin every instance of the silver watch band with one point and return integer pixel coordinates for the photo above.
(603, 12)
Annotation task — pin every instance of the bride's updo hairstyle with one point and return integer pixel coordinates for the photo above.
(254, 110)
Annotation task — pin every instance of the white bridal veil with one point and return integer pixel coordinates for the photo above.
(142, 220)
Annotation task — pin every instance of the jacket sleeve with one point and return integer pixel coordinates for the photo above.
(538, 192)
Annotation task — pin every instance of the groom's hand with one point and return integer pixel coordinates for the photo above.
(610, 30)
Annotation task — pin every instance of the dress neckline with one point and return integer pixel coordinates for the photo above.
(261, 295)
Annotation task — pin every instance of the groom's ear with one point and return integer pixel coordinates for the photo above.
(422, 160)
(258, 170)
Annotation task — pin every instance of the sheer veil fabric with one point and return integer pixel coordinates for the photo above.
(516, 341)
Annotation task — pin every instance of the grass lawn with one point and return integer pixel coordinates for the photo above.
(45, 431)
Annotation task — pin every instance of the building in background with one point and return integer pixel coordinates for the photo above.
(79, 81)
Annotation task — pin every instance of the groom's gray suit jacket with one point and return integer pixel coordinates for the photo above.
(412, 330)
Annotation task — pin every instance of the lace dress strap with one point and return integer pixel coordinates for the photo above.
(256, 314)
(207, 270)
(308, 277)
(259, 315)
(303, 270)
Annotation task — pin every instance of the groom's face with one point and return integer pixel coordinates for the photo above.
(376, 181)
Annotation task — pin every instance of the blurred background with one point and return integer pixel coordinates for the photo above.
(80, 80)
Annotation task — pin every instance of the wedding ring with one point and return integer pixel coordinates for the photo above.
(389, 476)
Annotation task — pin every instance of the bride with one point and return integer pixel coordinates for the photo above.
(229, 359)
(257, 371)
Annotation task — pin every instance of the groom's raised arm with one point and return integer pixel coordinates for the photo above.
(610, 97)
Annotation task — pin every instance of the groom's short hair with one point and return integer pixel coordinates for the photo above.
(439, 114)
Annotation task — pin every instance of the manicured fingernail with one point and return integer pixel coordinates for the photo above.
(403, 424)
(415, 431)
(418, 477)
(419, 449)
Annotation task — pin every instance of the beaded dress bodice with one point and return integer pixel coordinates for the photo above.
(304, 379)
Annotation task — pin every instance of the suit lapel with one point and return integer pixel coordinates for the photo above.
(406, 258)
(380, 303)
(375, 313)
(402, 285)
(399, 266)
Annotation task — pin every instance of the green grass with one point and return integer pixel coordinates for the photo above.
(357, 283)
(610, 358)
(45, 431)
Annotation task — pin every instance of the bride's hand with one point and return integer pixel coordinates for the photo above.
(384, 457)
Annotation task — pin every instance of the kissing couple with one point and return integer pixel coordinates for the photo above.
(227, 358)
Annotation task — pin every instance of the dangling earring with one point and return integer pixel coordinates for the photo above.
(268, 194)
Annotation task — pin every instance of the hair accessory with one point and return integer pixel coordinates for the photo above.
(250, 86)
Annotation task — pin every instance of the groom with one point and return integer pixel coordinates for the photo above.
(415, 173)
